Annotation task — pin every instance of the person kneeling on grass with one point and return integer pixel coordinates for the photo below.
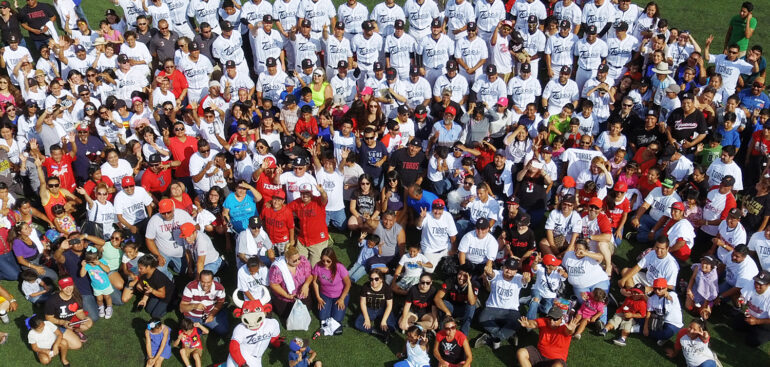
(634, 307)
(553, 340)
(157, 338)
(664, 306)
(190, 338)
(48, 341)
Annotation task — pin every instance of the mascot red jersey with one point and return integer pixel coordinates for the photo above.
(252, 336)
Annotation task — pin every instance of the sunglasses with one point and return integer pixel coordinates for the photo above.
(453, 327)
(368, 138)
(53, 185)
(179, 129)
(101, 193)
(128, 187)
(628, 105)
(426, 283)
(375, 279)
(593, 207)
(205, 151)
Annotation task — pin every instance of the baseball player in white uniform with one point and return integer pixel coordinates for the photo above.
(367, 47)
(458, 84)
(457, 14)
(385, 15)
(319, 13)
(434, 51)
(400, 50)
(620, 51)
(305, 46)
(523, 9)
(558, 49)
(337, 48)
(205, 11)
(599, 13)
(471, 53)
(489, 88)
(534, 44)
(523, 90)
(352, 13)
(590, 52)
(228, 46)
(265, 43)
(559, 92)
(420, 14)
(489, 13)
(569, 11)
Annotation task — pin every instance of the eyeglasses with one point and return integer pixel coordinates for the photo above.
(179, 129)
(373, 106)
(101, 193)
(732, 52)
(660, 289)
(242, 129)
(467, 183)
(392, 180)
(163, 28)
(82, 132)
(90, 109)
(365, 184)
(368, 138)
(628, 105)
(585, 142)
(169, 66)
(84, 94)
(90, 75)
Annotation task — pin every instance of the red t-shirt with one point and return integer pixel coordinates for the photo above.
(185, 204)
(182, 151)
(267, 188)
(178, 81)
(486, 157)
(90, 187)
(634, 306)
(312, 221)
(616, 214)
(644, 165)
(63, 170)
(310, 127)
(156, 182)
(553, 343)
(645, 186)
(278, 223)
(761, 145)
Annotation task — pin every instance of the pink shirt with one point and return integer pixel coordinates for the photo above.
(331, 288)
(302, 273)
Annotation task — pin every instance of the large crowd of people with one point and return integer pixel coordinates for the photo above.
(193, 153)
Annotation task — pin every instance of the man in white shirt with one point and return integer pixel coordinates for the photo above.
(400, 49)
(759, 246)
(559, 92)
(590, 52)
(658, 201)
(254, 242)
(500, 317)
(756, 323)
(202, 167)
(434, 51)
(739, 271)
(559, 48)
(163, 236)
(133, 206)
(478, 247)
(729, 66)
(658, 263)
(726, 166)
(197, 69)
(420, 14)
(438, 233)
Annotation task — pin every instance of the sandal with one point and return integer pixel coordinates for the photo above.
(3, 338)
(82, 336)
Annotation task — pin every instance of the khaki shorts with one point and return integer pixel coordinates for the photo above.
(313, 252)
(641, 278)
(618, 322)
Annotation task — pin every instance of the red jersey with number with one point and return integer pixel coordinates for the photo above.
(277, 223)
(312, 221)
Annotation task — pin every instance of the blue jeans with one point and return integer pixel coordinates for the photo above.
(709, 363)
(499, 322)
(156, 307)
(601, 285)
(665, 333)
(646, 223)
(337, 219)
(330, 309)
(538, 302)
(9, 268)
(356, 272)
(178, 265)
(463, 313)
(404, 363)
(219, 325)
(214, 267)
(374, 317)
(441, 187)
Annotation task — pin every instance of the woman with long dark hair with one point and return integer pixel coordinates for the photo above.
(364, 212)
(65, 310)
(331, 285)
(29, 250)
(392, 197)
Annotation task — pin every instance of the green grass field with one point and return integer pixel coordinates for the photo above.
(119, 341)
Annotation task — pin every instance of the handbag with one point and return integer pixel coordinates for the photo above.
(299, 318)
(658, 319)
(90, 227)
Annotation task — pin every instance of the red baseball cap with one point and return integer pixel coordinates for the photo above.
(66, 282)
(678, 205)
(596, 202)
(620, 187)
(165, 206)
(187, 229)
(551, 260)
(438, 204)
(127, 181)
(279, 194)
(271, 162)
(660, 283)
(450, 110)
(568, 182)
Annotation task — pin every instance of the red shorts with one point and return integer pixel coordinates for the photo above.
(682, 254)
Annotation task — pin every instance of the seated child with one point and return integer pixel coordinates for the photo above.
(634, 308)
(35, 290)
(591, 310)
(157, 343)
(190, 338)
(370, 246)
(414, 262)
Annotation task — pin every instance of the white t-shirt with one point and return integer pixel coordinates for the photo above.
(733, 236)
(478, 250)
(104, 214)
(411, 269)
(489, 210)
(250, 246)
(293, 183)
(682, 229)
(132, 207)
(547, 285)
(203, 247)
(695, 351)
(761, 245)
(729, 70)
(673, 309)
(196, 165)
(116, 174)
(718, 169)
(741, 274)
(166, 234)
(505, 293)
(656, 267)
(45, 338)
(253, 283)
(660, 205)
(333, 184)
(759, 304)
(564, 226)
(584, 272)
(435, 233)
(578, 160)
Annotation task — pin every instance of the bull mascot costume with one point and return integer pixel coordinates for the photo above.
(252, 336)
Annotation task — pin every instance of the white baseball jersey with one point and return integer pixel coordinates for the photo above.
(196, 72)
(629, 16)
(398, 50)
(386, 16)
(131, 10)
(524, 91)
(265, 45)
(252, 12)
(271, 86)
(306, 48)
(226, 49)
(236, 83)
(558, 94)
(598, 16)
(619, 51)
(138, 53)
(337, 50)
(458, 84)
(178, 9)
(367, 51)
(344, 87)
(159, 12)
(204, 11)
(534, 43)
(459, 15)
(489, 91)
(561, 49)
(522, 9)
(572, 13)
(417, 93)
(253, 343)
(420, 15)
(590, 55)
(319, 13)
(489, 15)
(435, 53)
(352, 17)
(286, 12)
(471, 52)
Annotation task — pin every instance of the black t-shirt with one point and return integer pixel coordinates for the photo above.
(421, 302)
(686, 128)
(641, 137)
(521, 242)
(365, 203)
(757, 208)
(451, 351)
(159, 280)
(456, 293)
(531, 192)
(61, 309)
(376, 300)
(10, 27)
(408, 167)
(491, 176)
(36, 18)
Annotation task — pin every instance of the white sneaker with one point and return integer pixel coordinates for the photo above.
(496, 345)
(661, 342)
(101, 311)
(4, 317)
(108, 312)
(576, 336)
